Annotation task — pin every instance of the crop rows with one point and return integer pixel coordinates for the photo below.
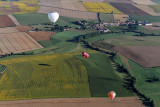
(101, 7)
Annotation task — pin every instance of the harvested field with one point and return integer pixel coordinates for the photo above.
(120, 17)
(14, 20)
(154, 26)
(156, 8)
(8, 30)
(118, 1)
(129, 9)
(5, 21)
(41, 35)
(17, 42)
(52, 3)
(76, 102)
(80, 6)
(93, 0)
(145, 8)
(69, 13)
(24, 28)
(68, 5)
(146, 56)
(146, 2)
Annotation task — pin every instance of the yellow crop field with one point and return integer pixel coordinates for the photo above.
(101, 7)
(26, 9)
(29, 1)
(44, 76)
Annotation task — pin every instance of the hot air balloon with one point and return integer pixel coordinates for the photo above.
(111, 94)
(53, 16)
(86, 56)
(84, 53)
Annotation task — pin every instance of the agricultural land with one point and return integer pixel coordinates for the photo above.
(41, 62)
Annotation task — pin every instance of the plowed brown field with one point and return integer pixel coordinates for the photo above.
(5, 21)
(41, 35)
(76, 102)
(147, 56)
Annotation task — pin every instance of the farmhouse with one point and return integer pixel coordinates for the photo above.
(146, 23)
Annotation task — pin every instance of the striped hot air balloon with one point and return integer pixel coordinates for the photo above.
(111, 94)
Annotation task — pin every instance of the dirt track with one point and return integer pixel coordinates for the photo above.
(75, 102)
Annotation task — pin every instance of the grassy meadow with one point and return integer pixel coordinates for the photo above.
(44, 76)
(144, 18)
(132, 41)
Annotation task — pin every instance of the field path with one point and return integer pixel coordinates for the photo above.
(75, 102)
(14, 20)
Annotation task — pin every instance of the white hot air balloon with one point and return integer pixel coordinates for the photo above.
(53, 16)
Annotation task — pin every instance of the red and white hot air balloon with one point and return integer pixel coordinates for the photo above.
(84, 53)
(112, 94)
(86, 56)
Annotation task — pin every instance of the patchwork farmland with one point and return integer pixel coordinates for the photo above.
(72, 5)
(17, 42)
(17, 8)
(126, 8)
(145, 8)
(69, 13)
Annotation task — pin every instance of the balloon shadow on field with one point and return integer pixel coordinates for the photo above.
(44, 64)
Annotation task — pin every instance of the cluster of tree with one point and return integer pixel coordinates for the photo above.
(131, 27)
(90, 35)
(84, 24)
(139, 33)
(10, 54)
(25, 53)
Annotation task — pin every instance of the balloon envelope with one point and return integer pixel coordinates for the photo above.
(112, 94)
(84, 53)
(86, 56)
(53, 16)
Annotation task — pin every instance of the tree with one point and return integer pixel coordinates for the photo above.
(132, 27)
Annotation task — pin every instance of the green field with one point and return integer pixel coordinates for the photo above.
(156, 8)
(156, 1)
(144, 30)
(44, 76)
(143, 76)
(60, 42)
(132, 41)
(2, 68)
(103, 78)
(106, 17)
(144, 18)
(107, 36)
